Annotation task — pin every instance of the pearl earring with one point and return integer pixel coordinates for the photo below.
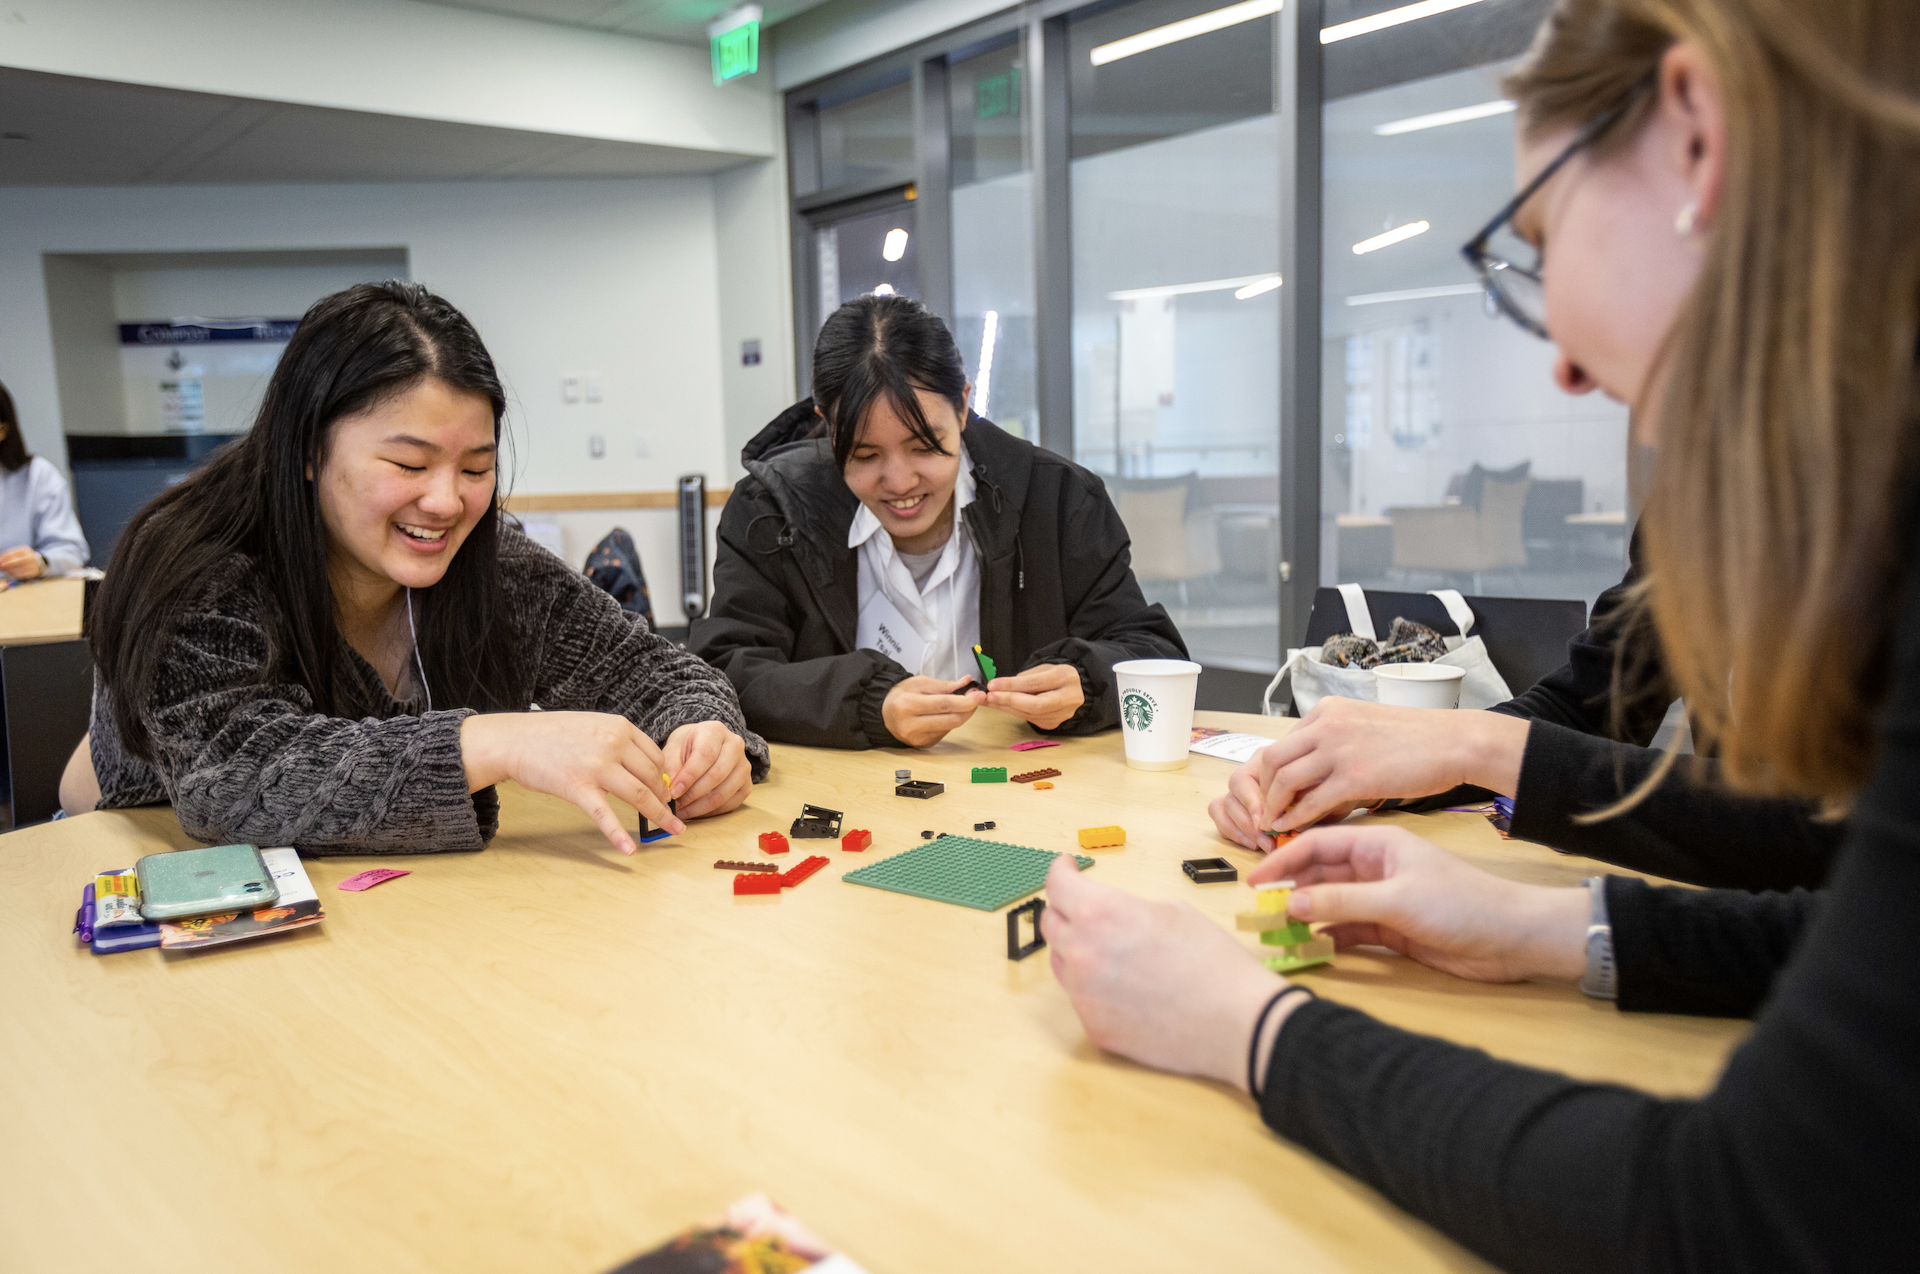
(1683, 224)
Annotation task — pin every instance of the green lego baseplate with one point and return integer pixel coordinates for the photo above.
(989, 774)
(983, 874)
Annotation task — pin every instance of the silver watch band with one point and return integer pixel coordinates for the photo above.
(1600, 980)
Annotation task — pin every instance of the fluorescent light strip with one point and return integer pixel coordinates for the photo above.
(987, 338)
(1414, 294)
(1391, 18)
(1399, 234)
(1183, 289)
(1252, 290)
(1458, 115)
(1185, 29)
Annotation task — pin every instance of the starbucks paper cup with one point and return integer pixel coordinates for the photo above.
(1156, 711)
(1418, 685)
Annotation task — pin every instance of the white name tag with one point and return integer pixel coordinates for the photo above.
(884, 628)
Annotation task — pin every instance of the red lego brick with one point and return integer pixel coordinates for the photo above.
(857, 839)
(774, 842)
(757, 882)
(801, 870)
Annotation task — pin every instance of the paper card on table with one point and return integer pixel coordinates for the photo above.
(371, 877)
(1238, 748)
(753, 1236)
(1031, 744)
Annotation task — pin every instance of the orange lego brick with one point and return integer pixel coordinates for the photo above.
(1102, 837)
(1043, 786)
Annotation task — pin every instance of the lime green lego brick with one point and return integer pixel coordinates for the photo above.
(983, 874)
(989, 774)
(1290, 936)
(1289, 964)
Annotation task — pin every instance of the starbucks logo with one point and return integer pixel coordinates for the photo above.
(1136, 709)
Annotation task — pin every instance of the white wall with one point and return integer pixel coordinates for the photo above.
(843, 33)
(395, 57)
(756, 297)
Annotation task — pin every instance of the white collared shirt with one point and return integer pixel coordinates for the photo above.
(930, 630)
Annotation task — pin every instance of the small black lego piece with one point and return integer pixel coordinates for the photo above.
(1016, 950)
(816, 823)
(1209, 871)
(649, 833)
(924, 789)
(985, 827)
(926, 835)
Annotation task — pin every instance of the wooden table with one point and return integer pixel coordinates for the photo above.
(549, 1057)
(40, 611)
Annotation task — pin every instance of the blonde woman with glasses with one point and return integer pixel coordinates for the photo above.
(1724, 199)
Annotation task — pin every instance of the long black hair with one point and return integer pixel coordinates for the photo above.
(352, 351)
(888, 347)
(13, 448)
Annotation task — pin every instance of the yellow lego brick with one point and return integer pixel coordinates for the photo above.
(1262, 921)
(1102, 837)
(1272, 896)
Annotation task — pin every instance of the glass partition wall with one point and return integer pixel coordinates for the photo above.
(1101, 198)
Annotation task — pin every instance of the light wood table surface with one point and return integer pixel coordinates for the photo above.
(548, 1056)
(40, 611)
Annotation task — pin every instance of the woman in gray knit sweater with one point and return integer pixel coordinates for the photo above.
(328, 638)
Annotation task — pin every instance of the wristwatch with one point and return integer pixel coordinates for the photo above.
(1600, 980)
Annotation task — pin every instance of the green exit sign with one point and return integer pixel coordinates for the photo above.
(736, 52)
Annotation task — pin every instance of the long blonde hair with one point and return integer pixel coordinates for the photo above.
(1777, 525)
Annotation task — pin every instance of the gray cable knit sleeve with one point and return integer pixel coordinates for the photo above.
(588, 655)
(248, 759)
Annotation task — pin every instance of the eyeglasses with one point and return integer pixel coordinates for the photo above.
(1512, 289)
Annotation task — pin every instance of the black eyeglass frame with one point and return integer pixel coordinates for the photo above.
(1486, 265)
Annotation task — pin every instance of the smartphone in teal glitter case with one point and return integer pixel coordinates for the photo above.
(204, 882)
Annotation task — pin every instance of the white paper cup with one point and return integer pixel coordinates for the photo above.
(1156, 711)
(1419, 685)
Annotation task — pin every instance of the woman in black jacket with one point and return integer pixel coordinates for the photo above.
(883, 533)
(1724, 194)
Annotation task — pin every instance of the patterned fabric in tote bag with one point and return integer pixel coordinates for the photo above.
(1313, 680)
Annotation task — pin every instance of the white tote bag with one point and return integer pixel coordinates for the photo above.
(1313, 680)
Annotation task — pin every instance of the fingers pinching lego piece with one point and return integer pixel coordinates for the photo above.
(774, 843)
(757, 882)
(989, 774)
(1208, 871)
(856, 840)
(1031, 775)
(1102, 837)
(801, 870)
(1017, 950)
(728, 864)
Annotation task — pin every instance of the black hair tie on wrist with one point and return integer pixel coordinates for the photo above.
(1260, 1025)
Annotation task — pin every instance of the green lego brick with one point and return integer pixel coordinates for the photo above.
(1302, 956)
(982, 874)
(987, 669)
(1290, 936)
(989, 774)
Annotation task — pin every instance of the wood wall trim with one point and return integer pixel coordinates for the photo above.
(575, 502)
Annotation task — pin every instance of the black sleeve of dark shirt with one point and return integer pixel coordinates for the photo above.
(1689, 828)
(1800, 1158)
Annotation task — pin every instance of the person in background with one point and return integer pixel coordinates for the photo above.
(38, 533)
(327, 637)
(857, 571)
(1723, 195)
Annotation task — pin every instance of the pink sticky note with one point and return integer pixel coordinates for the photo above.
(368, 879)
(1031, 744)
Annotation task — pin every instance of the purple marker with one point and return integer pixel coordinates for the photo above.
(83, 919)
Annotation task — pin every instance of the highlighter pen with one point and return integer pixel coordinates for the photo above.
(83, 919)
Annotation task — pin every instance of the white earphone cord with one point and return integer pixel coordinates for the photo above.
(418, 666)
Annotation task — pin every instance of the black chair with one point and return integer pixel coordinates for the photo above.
(46, 701)
(1526, 637)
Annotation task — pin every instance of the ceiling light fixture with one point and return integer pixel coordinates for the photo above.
(1458, 115)
(1414, 294)
(1184, 289)
(895, 246)
(1185, 29)
(1399, 234)
(885, 289)
(1391, 18)
(1252, 290)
